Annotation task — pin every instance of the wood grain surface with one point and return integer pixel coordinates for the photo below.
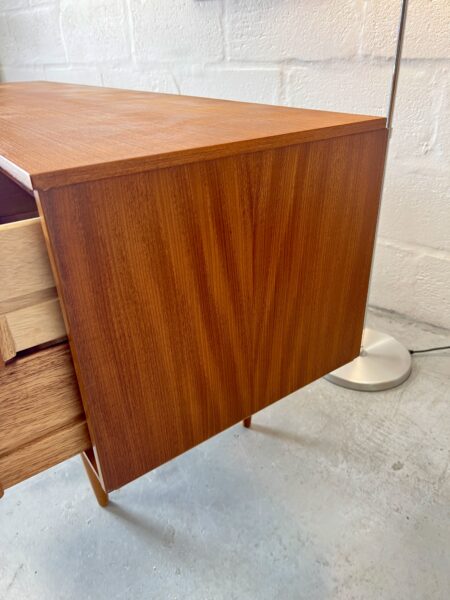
(312, 255)
(195, 295)
(30, 314)
(36, 324)
(75, 133)
(43, 453)
(42, 421)
(24, 263)
(7, 346)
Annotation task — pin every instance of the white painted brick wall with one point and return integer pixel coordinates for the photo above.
(174, 29)
(95, 32)
(270, 30)
(330, 54)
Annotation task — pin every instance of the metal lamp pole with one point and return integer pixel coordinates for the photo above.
(383, 362)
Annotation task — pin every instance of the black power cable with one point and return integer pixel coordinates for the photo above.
(429, 349)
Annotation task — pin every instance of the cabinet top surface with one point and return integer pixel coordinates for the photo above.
(54, 134)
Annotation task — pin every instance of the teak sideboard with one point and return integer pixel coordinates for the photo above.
(169, 266)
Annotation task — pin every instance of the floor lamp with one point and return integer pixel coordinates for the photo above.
(383, 362)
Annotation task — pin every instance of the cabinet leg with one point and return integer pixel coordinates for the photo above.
(247, 422)
(100, 494)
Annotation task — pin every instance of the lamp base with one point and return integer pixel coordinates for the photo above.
(383, 363)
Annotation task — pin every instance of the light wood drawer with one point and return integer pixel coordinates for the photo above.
(42, 421)
(30, 314)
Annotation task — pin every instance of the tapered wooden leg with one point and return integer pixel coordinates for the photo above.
(248, 421)
(100, 494)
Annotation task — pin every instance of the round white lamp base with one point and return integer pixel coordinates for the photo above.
(383, 363)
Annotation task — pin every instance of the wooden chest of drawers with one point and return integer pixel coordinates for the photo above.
(208, 257)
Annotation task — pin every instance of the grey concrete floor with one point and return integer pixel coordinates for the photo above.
(331, 494)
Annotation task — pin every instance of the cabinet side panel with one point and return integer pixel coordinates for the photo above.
(198, 294)
(313, 248)
(154, 271)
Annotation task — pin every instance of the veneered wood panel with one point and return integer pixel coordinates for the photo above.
(312, 254)
(155, 277)
(196, 295)
(75, 133)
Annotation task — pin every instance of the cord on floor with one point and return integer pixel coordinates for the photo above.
(429, 349)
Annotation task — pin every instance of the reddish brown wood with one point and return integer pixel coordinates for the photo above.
(247, 422)
(160, 326)
(195, 295)
(54, 134)
(313, 242)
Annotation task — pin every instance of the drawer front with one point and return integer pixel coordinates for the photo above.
(30, 314)
(42, 421)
